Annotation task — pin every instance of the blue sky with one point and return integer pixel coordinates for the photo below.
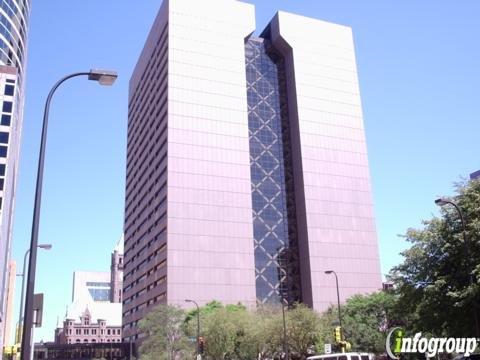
(418, 65)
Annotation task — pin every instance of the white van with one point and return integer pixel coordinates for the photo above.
(343, 356)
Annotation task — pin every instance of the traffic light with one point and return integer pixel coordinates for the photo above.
(338, 334)
(201, 344)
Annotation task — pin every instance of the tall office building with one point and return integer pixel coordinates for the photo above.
(14, 17)
(247, 169)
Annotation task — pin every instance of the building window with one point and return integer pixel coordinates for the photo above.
(78, 332)
(11, 81)
(94, 331)
(100, 294)
(85, 332)
(108, 331)
(6, 120)
(4, 137)
(3, 151)
(2, 169)
(7, 106)
(9, 90)
(2, 183)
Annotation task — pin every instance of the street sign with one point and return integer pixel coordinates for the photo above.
(37, 309)
(328, 348)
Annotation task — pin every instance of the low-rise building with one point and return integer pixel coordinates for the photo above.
(87, 331)
(95, 314)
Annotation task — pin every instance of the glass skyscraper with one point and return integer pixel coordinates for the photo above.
(14, 16)
(247, 168)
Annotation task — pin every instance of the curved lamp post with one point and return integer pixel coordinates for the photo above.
(442, 202)
(328, 272)
(104, 78)
(20, 317)
(198, 323)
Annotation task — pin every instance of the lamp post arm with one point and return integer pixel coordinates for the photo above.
(465, 239)
(464, 226)
(198, 327)
(467, 249)
(28, 312)
(338, 301)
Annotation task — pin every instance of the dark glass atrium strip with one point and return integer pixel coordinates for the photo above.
(274, 221)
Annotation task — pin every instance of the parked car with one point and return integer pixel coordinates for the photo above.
(344, 356)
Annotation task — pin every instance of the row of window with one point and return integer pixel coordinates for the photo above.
(162, 249)
(157, 153)
(145, 165)
(143, 305)
(138, 119)
(147, 246)
(129, 272)
(94, 331)
(135, 146)
(131, 191)
(78, 341)
(139, 92)
(13, 11)
(141, 292)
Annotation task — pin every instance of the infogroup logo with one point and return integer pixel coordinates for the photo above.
(397, 343)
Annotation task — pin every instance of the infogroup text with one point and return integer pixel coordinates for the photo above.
(400, 344)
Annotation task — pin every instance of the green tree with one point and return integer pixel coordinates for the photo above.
(165, 335)
(368, 318)
(229, 331)
(303, 325)
(433, 280)
(303, 330)
(270, 331)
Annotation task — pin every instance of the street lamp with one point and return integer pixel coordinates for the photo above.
(328, 272)
(198, 324)
(283, 264)
(442, 202)
(20, 318)
(103, 78)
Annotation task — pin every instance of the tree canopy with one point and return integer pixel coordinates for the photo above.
(433, 282)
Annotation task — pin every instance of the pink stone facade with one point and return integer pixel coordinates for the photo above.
(333, 191)
(188, 209)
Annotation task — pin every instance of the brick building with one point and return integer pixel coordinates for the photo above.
(95, 314)
(87, 331)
